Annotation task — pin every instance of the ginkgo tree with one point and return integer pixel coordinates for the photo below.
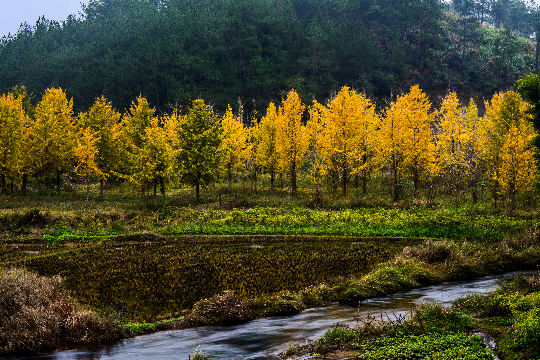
(518, 166)
(52, 137)
(508, 138)
(86, 153)
(453, 143)
(504, 111)
(348, 135)
(292, 136)
(404, 139)
(12, 120)
(266, 155)
(235, 145)
(474, 152)
(104, 122)
(317, 156)
(153, 163)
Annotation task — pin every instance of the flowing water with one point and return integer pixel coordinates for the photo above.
(263, 338)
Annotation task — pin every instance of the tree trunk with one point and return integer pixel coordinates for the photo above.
(356, 178)
(416, 180)
(396, 195)
(49, 185)
(162, 186)
(364, 185)
(537, 51)
(474, 194)
(281, 180)
(87, 188)
(293, 178)
(2, 184)
(255, 178)
(272, 176)
(512, 197)
(23, 185)
(197, 193)
(101, 184)
(155, 194)
(12, 190)
(58, 182)
(344, 178)
(229, 173)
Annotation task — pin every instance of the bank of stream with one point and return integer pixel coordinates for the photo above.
(265, 338)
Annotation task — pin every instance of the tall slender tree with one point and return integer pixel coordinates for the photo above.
(104, 122)
(199, 140)
(52, 137)
(292, 136)
(12, 120)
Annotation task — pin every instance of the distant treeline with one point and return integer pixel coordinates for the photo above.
(255, 51)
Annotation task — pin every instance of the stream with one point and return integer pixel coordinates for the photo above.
(262, 338)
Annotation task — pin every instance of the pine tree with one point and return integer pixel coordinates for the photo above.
(199, 140)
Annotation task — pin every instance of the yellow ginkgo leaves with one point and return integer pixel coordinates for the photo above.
(405, 140)
(12, 126)
(236, 144)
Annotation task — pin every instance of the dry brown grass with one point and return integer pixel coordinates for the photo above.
(36, 315)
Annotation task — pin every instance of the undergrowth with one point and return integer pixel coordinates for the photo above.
(36, 315)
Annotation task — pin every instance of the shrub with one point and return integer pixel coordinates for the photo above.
(430, 252)
(36, 315)
(219, 309)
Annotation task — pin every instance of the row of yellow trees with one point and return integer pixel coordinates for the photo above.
(339, 141)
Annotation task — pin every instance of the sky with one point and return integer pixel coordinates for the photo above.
(16, 12)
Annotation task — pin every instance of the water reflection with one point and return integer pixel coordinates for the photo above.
(260, 339)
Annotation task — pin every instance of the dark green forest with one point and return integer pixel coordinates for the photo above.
(254, 51)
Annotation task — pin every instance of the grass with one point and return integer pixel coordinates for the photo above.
(172, 221)
(248, 211)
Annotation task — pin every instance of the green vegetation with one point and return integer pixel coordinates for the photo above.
(510, 315)
(430, 332)
(77, 220)
(432, 346)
